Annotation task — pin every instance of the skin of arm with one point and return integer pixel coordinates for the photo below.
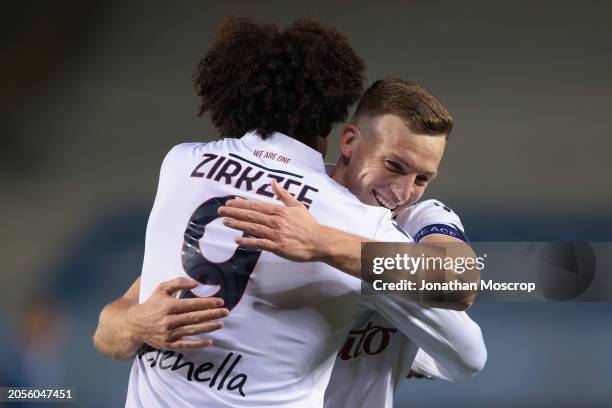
(456, 248)
(161, 322)
(291, 232)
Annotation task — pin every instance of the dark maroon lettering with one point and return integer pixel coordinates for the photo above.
(214, 379)
(302, 196)
(244, 178)
(201, 369)
(165, 356)
(215, 166)
(289, 183)
(226, 173)
(177, 366)
(364, 339)
(228, 372)
(209, 157)
(264, 189)
(237, 382)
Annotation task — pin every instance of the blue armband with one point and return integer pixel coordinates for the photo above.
(443, 229)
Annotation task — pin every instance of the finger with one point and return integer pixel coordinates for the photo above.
(247, 215)
(257, 230)
(284, 196)
(256, 243)
(195, 329)
(169, 287)
(200, 316)
(254, 205)
(194, 304)
(190, 344)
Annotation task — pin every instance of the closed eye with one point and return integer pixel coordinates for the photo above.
(394, 166)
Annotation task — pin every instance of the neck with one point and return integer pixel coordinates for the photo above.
(339, 172)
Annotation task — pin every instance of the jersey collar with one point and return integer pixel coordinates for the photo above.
(301, 155)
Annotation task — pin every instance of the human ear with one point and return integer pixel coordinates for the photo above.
(348, 141)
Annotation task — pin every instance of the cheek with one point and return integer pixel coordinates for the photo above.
(365, 175)
(379, 180)
(357, 180)
(417, 193)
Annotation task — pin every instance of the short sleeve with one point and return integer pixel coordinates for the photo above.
(388, 230)
(431, 217)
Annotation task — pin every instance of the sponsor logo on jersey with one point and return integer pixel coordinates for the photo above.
(370, 340)
(219, 375)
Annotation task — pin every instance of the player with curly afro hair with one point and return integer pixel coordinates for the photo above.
(299, 81)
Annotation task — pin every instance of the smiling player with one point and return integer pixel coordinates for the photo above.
(389, 153)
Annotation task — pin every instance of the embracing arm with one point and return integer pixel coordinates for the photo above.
(161, 322)
(424, 366)
(113, 337)
(291, 232)
(451, 344)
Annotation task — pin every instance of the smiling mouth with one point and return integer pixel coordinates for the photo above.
(383, 202)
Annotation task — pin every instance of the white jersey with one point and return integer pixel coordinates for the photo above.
(376, 355)
(287, 320)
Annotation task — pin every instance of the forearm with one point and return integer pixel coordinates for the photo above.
(456, 249)
(292, 233)
(114, 337)
(343, 251)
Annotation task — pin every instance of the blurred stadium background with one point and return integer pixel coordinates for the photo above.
(94, 94)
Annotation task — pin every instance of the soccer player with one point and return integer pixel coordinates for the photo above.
(376, 356)
(283, 91)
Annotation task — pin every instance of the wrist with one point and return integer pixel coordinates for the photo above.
(325, 249)
(132, 334)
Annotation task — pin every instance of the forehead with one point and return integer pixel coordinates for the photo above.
(393, 138)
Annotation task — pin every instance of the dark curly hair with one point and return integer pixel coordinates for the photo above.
(299, 81)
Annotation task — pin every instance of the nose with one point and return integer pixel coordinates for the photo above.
(403, 189)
